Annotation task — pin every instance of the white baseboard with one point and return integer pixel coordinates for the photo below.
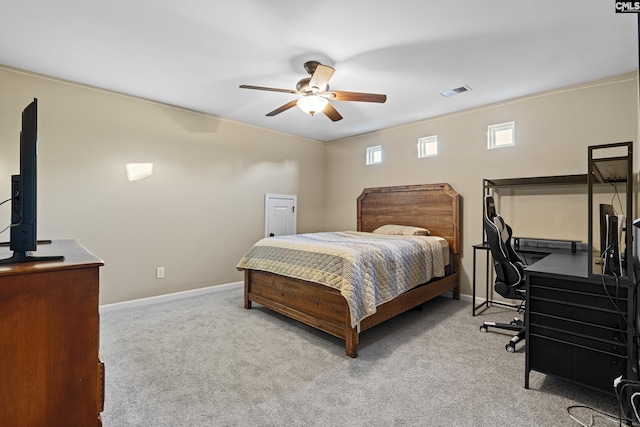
(168, 297)
(210, 289)
(464, 297)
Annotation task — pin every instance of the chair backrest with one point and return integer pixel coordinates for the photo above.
(508, 265)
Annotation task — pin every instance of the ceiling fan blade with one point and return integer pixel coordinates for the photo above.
(320, 78)
(357, 96)
(271, 89)
(332, 113)
(285, 107)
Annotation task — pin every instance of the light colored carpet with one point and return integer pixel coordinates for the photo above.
(206, 361)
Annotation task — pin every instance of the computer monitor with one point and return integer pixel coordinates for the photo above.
(636, 244)
(611, 228)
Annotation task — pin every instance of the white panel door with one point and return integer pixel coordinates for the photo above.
(280, 215)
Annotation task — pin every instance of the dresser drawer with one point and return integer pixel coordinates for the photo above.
(100, 391)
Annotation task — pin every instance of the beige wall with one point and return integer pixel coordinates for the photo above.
(553, 131)
(204, 205)
(196, 216)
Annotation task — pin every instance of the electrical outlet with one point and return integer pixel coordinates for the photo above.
(160, 273)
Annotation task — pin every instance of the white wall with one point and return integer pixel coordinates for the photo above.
(198, 213)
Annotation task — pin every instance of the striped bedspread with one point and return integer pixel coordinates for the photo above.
(368, 269)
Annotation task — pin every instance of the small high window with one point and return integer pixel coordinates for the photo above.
(374, 155)
(428, 146)
(501, 135)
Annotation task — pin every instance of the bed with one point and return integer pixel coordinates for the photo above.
(435, 207)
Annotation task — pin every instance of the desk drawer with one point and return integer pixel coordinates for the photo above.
(570, 314)
(588, 341)
(612, 333)
(584, 366)
(612, 302)
(587, 289)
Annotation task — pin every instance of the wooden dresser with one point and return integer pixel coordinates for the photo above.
(50, 371)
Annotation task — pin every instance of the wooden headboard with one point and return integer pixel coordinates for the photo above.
(432, 206)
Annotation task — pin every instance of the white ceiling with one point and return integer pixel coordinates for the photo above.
(195, 53)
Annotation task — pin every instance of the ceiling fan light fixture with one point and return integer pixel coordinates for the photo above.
(314, 93)
(312, 104)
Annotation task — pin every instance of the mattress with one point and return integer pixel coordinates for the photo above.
(445, 249)
(368, 269)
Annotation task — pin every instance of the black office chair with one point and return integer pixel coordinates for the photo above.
(510, 278)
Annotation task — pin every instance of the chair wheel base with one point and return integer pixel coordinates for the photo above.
(516, 325)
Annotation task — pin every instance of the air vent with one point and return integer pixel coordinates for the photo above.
(451, 92)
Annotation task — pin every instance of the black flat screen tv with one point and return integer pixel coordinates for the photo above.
(24, 194)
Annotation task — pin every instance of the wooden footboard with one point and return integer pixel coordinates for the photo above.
(318, 306)
(326, 309)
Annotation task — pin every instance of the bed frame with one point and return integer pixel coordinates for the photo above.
(433, 206)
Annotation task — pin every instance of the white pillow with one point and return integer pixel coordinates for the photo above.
(402, 230)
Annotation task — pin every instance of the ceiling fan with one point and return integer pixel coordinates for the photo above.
(315, 93)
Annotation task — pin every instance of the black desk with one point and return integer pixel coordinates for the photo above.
(576, 325)
(575, 265)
